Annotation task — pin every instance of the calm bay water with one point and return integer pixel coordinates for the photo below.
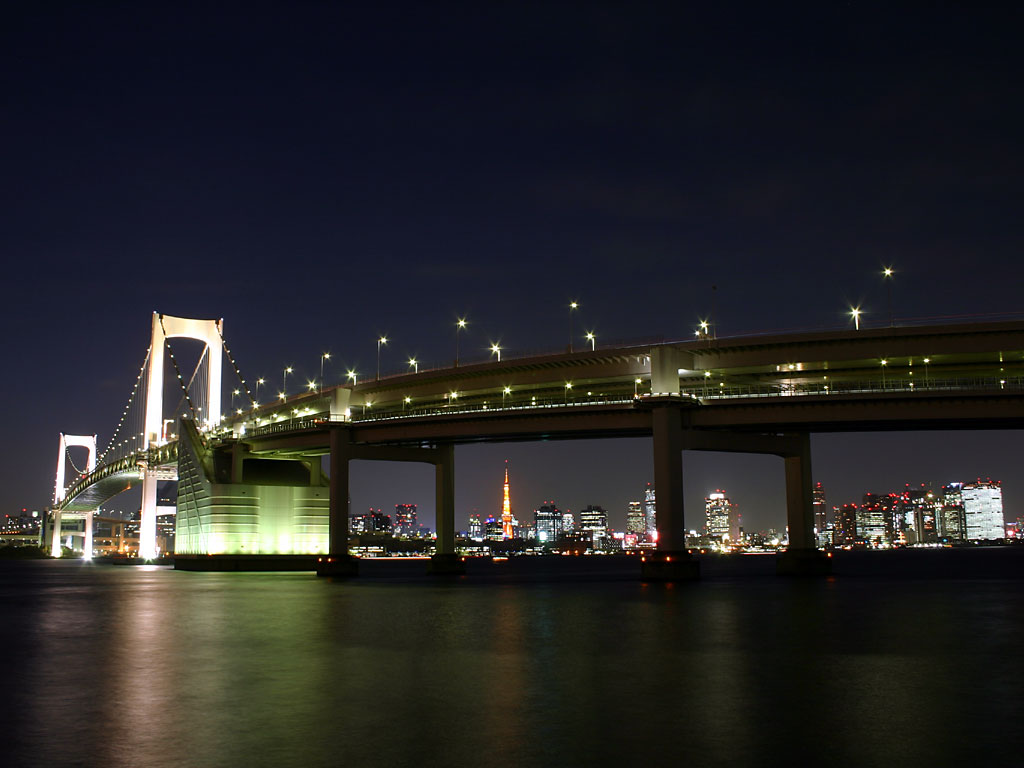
(895, 660)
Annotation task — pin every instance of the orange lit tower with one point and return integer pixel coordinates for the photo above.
(506, 509)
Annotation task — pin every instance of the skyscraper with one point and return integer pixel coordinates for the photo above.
(548, 520)
(820, 510)
(635, 519)
(718, 516)
(650, 514)
(595, 520)
(871, 520)
(983, 510)
(952, 525)
(404, 523)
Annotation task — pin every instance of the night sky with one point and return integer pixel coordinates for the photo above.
(318, 174)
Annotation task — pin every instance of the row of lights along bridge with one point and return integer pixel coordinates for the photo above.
(704, 330)
(353, 376)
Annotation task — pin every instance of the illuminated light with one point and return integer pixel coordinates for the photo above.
(855, 313)
(508, 390)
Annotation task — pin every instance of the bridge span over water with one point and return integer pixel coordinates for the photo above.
(250, 481)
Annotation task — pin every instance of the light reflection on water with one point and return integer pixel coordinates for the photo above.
(121, 666)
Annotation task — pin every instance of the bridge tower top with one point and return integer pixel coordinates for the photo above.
(66, 441)
(165, 327)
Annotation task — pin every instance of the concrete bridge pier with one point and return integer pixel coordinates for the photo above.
(55, 538)
(446, 560)
(338, 562)
(802, 558)
(671, 561)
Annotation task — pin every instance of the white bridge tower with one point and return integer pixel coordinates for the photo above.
(66, 441)
(165, 327)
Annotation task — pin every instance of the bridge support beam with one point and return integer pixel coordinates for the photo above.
(802, 558)
(671, 561)
(147, 520)
(55, 538)
(87, 544)
(339, 562)
(445, 559)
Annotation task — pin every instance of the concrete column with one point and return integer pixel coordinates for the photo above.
(339, 492)
(445, 559)
(55, 538)
(668, 477)
(802, 558)
(87, 546)
(800, 497)
(671, 562)
(147, 523)
(338, 562)
(444, 494)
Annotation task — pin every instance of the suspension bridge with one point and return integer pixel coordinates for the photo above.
(250, 480)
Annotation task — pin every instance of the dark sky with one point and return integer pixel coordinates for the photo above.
(317, 174)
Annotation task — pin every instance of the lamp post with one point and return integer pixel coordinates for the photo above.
(887, 276)
(323, 357)
(592, 339)
(405, 401)
(572, 306)
(496, 350)
(568, 386)
(234, 393)
(259, 383)
(284, 380)
(353, 377)
(414, 364)
(380, 343)
(855, 313)
(926, 361)
(884, 363)
(458, 327)
(505, 392)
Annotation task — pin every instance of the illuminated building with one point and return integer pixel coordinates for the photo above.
(952, 524)
(372, 522)
(404, 523)
(650, 514)
(845, 531)
(635, 519)
(568, 521)
(871, 520)
(595, 520)
(983, 510)
(914, 516)
(493, 529)
(718, 516)
(820, 513)
(476, 528)
(506, 509)
(547, 519)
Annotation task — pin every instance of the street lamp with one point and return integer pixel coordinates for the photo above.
(592, 339)
(705, 328)
(855, 313)
(353, 376)
(406, 401)
(572, 305)
(414, 364)
(926, 361)
(324, 356)
(259, 383)
(458, 327)
(636, 386)
(887, 276)
(380, 342)
(568, 386)
(884, 363)
(284, 379)
(496, 350)
(505, 393)
(234, 393)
